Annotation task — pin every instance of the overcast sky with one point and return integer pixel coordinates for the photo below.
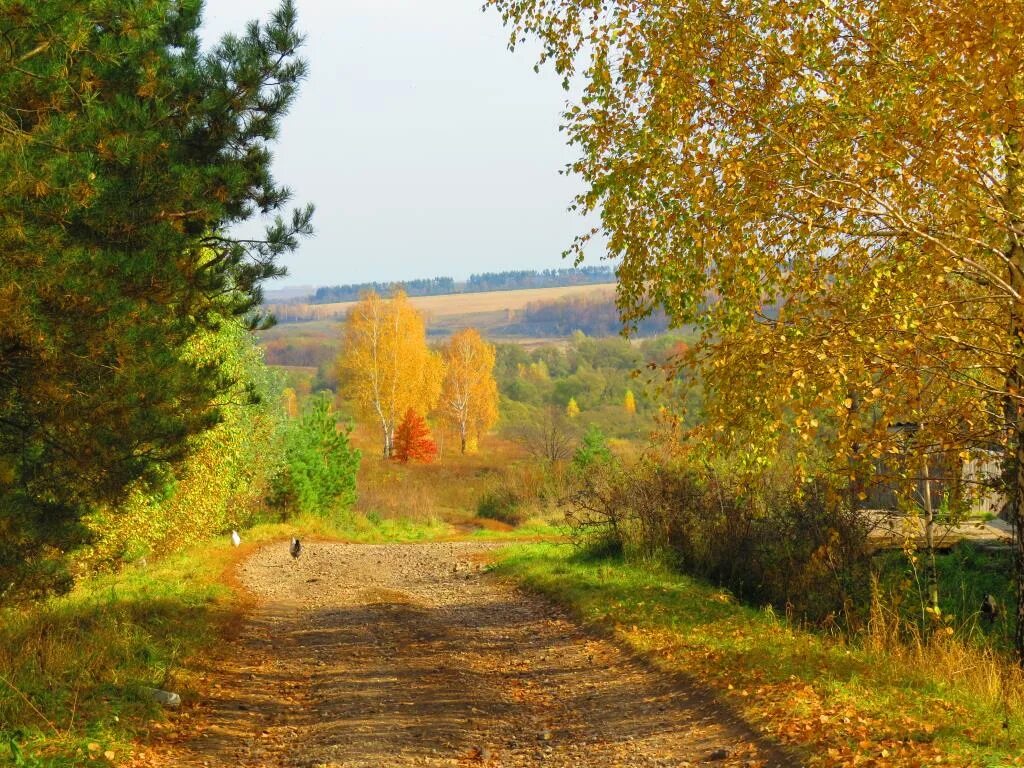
(426, 146)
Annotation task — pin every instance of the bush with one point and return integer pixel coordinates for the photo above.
(320, 465)
(224, 481)
(768, 538)
(503, 505)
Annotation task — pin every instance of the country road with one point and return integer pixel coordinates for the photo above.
(366, 656)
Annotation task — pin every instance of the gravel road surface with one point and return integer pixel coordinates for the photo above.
(368, 656)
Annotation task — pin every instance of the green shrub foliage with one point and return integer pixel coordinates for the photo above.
(225, 479)
(319, 474)
(502, 504)
(769, 538)
(592, 451)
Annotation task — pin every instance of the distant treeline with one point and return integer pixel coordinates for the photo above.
(531, 278)
(485, 281)
(425, 286)
(595, 315)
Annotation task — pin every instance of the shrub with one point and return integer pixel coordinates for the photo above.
(503, 505)
(768, 538)
(224, 481)
(320, 464)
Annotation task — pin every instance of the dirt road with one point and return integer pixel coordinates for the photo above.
(365, 656)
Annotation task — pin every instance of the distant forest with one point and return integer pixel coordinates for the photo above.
(485, 281)
(593, 315)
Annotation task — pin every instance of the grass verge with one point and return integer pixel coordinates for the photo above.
(74, 669)
(832, 704)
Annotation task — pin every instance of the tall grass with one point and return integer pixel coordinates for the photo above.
(950, 652)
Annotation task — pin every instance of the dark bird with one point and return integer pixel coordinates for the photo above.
(989, 610)
(296, 548)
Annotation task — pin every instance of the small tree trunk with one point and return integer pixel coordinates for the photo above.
(929, 532)
(1014, 205)
(853, 464)
(1018, 540)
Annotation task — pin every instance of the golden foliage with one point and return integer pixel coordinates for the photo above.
(572, 408)
(629, 402)
(386, 365)
(832, 191)
(291, 403)
(469, 397)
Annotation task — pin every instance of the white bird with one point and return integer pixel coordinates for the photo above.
(295, 548)
(235, 538)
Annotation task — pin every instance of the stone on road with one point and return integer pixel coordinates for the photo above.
(367, 656)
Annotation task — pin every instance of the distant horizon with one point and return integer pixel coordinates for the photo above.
(285, 284)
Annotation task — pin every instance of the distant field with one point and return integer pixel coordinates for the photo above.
(438, 308)
(302, 347)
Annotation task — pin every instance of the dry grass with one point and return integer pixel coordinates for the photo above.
(955, 649)
(447, 491)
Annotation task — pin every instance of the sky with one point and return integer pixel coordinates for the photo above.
(427, 147)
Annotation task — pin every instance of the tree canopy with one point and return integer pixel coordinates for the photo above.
(832, 191)
(127, 154)
(386, 363)
(469, 393)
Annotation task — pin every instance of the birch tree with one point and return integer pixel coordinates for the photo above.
(387, 365)
(469, 397)
(831, 191)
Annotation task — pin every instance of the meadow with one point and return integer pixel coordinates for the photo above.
(449, 310)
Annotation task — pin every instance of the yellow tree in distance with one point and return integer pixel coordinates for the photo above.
(469, 397)
(572, 408)
(290, 400)
(629, 402)
(386, 363)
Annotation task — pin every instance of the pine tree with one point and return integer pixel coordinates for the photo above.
(321, 464)
(572, 409)
(413, 441)
(128, 156)
(593, 449)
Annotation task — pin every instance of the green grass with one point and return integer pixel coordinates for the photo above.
(73, 667)
(534, 528)
(374, 529)
(829, 701)
(965, 575)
